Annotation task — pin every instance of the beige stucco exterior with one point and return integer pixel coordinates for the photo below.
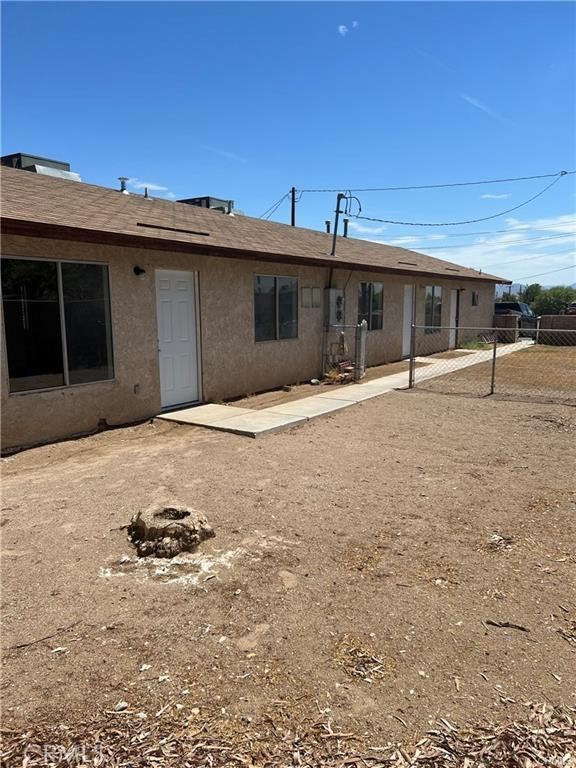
(231, 362)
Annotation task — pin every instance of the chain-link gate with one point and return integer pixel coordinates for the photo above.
(345, 351)
(530, 364)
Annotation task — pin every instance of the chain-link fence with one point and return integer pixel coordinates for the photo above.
(531, 364)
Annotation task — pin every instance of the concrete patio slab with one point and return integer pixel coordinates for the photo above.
(255, 423)
(204, 415)
(310, 407)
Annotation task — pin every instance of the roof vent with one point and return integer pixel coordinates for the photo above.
(123, 181)
(214, 203)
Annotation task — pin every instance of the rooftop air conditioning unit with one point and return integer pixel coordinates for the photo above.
(214, 203)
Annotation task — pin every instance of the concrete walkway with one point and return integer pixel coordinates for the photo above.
(252, 423)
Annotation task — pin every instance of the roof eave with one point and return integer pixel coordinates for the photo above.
(14, 226)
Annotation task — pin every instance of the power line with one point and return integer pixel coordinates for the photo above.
(470, 221)
(440, 186)
(541, 274)
(272, 208)
(529, 258)
(492, 231)
(496, 245)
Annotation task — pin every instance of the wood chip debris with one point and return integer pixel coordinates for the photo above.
(506, 625)
(568, 632)
(362, 662)
(546, 737)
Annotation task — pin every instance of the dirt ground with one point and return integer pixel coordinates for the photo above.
(540, 372)
(299, 390)
(407, 558)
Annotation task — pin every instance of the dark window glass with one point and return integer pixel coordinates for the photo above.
(275, 307)
(87, 316)
(433, 309)
(33, 294)
(265, 308)
(364, 303)
(377, 306)
(32, 324)
(371, 305)
(287, 288)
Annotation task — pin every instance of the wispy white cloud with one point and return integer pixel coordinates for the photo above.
(564, 224)
(527, 247)
(343, 29)
(150, 185)
(364, 230)
(494, 197)
(226, 153)
(408, 240)
(439, 63)
(482, 107)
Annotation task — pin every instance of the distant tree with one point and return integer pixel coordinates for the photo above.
(531, 293)
(552, 301)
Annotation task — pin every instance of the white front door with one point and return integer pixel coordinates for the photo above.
(453, 318)
(407, 319)
(177, 337)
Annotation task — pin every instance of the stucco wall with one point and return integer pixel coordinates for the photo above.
(232, 363)
(385, 345)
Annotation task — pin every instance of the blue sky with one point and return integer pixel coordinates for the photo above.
(245, 100)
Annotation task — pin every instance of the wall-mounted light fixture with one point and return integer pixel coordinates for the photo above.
(139, 271)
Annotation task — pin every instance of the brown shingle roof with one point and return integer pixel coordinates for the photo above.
(49, 207)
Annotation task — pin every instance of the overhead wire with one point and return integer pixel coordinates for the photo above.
(440, 186)
(518, 230)
(550, 272)
(269, 211)
(469, 221)
(528, 258)
(496, 245)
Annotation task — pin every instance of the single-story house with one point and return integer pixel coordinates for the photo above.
(117, 306)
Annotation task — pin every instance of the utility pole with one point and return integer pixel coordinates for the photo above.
(293, 207)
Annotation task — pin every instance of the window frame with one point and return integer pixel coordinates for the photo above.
(310, 297)
(277, 336)
(437, 298)
(371, 314)
(61, 308)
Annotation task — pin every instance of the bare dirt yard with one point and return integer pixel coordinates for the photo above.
(407, 559)
(540, 372)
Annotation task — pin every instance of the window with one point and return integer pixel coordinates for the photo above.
(475, 298)
(433, 311)
(57, 323)
(371, 304)
(311, 298)
(275, 308)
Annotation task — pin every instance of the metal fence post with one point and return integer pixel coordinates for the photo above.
(360, 351)
(493, 381)
(412, 368)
